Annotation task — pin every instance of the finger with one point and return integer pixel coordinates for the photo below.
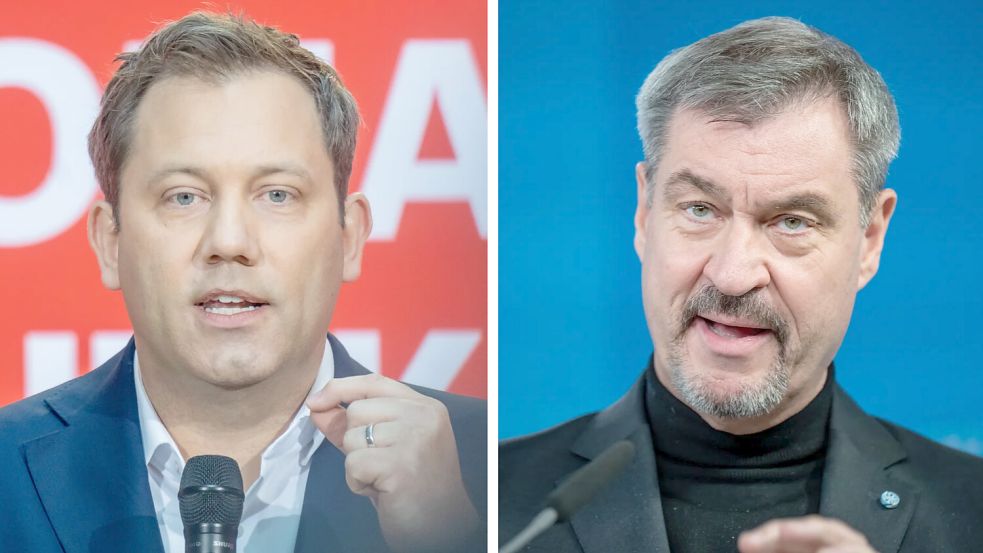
(804, 534)
(774, 537)
(354, 388)
(763, 539)
(384, 434)
(367, 470)
(367, 411)
(818, 531)
(333, 423)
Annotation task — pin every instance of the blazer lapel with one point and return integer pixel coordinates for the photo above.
(859, 469)
(626, 515)
(334, 518)
(91, 476)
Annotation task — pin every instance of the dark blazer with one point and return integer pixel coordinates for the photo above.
(941, 490)
(73, 478)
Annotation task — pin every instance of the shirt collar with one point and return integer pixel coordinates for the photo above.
(301, 430)
(159, 447)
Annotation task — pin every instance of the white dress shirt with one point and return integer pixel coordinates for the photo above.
(271, 512)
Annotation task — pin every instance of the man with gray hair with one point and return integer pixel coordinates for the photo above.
(224, 151)
(761, 213)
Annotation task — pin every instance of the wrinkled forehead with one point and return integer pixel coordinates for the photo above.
(805, 145)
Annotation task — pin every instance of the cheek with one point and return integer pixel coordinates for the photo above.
(153, 278)
(671, 271)
(316, 292)
(309, 264)
(144, 277)
(819, 293)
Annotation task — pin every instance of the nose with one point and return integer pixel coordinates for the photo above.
(229, 234)
(738, 262)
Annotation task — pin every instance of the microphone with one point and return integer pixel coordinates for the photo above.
(576, 491)
(211, 504)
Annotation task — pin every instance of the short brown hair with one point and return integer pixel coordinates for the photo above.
(215, 47)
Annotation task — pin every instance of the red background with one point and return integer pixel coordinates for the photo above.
(433, 275)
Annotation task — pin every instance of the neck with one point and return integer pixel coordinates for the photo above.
(241, 423)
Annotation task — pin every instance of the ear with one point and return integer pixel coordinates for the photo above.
(358, 225)
(873, 240)
(104, 241)
(641, 209)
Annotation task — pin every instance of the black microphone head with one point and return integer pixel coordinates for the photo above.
(211, 491)
(581, 486)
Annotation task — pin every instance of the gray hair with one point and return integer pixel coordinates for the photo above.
(215, 47)
(754, 70)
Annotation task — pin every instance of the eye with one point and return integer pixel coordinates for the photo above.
(699, 211)
(278, 196)
(793, 225)
(184, 198)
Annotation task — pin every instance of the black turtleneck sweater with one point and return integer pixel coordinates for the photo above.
(715, 485)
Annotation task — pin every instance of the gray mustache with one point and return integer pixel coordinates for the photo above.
(710, 301)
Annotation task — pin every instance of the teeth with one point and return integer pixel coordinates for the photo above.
(723, 330)
(230, 310)
(229, 299)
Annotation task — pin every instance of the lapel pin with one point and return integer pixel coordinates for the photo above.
(890, 500)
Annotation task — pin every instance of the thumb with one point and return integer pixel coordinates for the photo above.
(333, 423)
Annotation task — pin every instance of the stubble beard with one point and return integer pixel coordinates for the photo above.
(696, 387)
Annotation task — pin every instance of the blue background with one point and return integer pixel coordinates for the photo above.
(572, 332)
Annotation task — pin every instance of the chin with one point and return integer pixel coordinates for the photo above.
(727, 393)
(237, 371)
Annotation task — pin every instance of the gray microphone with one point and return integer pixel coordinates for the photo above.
(211, 504)
(578, 489)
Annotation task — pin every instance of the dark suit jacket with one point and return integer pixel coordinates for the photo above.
(73, 477)
(941, 489)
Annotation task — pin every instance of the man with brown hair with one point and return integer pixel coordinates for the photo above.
(224, 151)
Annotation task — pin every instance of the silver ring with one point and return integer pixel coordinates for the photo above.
(369, 436)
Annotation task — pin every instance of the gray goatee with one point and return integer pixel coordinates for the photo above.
(696, 389)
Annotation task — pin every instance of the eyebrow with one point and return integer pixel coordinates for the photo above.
(818, 204)
(261, 171)
(681, 181)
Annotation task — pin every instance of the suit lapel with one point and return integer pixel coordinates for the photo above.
(626, 515)
(860, 466)
(858, 470)
(334, 518)
(90, 475)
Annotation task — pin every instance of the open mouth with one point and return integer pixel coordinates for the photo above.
(228, 304)
(732, 331)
